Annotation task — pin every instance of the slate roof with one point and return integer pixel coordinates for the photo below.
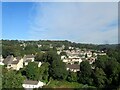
(8, 59)
(28, 60)
(18, 58)
(15, 62)
(73, 66)
(29, 56)
(31, 82)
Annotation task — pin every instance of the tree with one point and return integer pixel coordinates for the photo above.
(32, 71)
(72, 77)
(50, 56)
(63, 53)
(58, 70)
(85, 73)
(100, 77)
(113, 70)
(39, 57)
(12, 80)
(43, 75)
(101, 61)
(30, 49)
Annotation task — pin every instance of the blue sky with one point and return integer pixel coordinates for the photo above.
(79, 22)
(16, 20)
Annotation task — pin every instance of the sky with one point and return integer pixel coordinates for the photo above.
(82, 22)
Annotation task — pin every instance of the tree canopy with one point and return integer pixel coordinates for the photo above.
(12, 80)
(32, 71)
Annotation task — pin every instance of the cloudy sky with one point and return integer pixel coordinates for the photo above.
(83, 22)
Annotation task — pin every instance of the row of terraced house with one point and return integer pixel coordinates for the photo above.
(74, 57)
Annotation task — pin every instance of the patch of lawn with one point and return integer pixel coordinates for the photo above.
(64, 84)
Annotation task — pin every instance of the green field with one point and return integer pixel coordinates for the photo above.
(65, 84)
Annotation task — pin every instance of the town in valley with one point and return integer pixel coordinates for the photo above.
(41, 63)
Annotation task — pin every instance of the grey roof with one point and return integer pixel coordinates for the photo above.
(18, 58)
(31, 82)
(29, 56)
(73, 66)
(27, 60)
(8, 59)
(15, 62)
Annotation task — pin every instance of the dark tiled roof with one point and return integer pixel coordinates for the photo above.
(8, 60)
(31, 82)
(15, 62)
(73, 66)
(28, 60)
(18, 58)
(29, 56)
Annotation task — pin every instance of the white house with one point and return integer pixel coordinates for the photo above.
(1, 60)
(28, 58)
(39, 64)
(91, 60)
(17, 63)
(58, 52)
(13, 63)
(89, 54)
(29, 84)
(63, 57)
(72, 59)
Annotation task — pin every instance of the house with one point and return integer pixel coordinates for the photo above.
(13, 63)
(29, 84)
(102, 53)
(8, 60)
(1, 60)
(89, 54)
(58, 52)
(39, 63)
(71, 47)
(39, 45)
(91, 60)
(28, 58)
(63, 57)
(51, 46)
(17, 64)
(72, 60)
(23, 44)
(73, 67)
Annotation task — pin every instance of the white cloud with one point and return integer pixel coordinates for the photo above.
(79, 22)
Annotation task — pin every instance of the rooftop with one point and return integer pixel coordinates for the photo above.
(31, 82)
(29, 56)
(73, 66)
(9, 59)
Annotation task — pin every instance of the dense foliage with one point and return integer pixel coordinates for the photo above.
(11, 79)
(32, 71)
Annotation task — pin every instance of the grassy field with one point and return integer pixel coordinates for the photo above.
(65, 84)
